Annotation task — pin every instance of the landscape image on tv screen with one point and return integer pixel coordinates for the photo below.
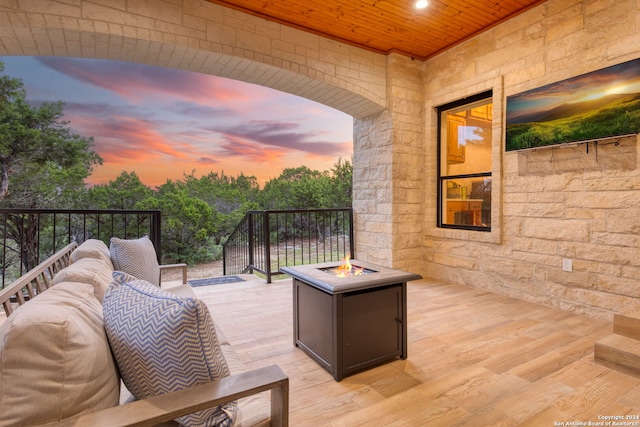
(595, 105)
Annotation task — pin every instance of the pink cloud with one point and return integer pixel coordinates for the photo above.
(128, 139)
(137, 82)
(251, 150)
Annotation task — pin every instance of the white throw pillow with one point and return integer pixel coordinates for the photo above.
(55, 360)
(136, 257)
(162, 343)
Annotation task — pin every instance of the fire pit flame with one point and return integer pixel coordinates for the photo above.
(347, 270)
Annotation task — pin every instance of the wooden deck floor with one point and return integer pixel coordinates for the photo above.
(475, 359)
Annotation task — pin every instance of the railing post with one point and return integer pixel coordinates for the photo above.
(352, 245)
(4, 250)
(224, 260)
(68, 232)
(251, 241)
(156, 230)
(267, 246)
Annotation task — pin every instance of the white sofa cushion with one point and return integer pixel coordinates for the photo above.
(254, 410)
(92, 248)
(94, 271)
(55, 360)
(136, 257)
(164, 343)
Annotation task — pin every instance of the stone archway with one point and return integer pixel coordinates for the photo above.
(202, 37)
(383, 94)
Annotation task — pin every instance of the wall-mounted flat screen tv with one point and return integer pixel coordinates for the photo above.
(592, 106)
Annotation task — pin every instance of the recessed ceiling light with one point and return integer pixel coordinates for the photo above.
(421, 4)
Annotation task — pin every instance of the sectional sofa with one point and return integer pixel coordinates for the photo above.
(87, 343)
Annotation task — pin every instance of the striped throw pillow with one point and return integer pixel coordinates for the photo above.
(162, 343)
(136, 257)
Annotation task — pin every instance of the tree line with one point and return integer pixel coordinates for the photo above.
(198, 214)
(44, 165)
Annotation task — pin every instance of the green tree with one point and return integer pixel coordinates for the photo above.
(188, 225)
(227, 196)
(295, 188)
(303, 188)
(222, 192)
(341, 188)
(122, 193)
(42, 163)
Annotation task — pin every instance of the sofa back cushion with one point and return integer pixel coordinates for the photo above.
(92, 248)
(136, 257)
(162, 343)
(55, 360)
(94, 271)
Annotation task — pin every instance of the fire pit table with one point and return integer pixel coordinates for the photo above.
(350, 322)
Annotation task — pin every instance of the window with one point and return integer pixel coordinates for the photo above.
(464, 174)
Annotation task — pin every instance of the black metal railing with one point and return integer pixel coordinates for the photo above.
(265, 241)
(32, 235)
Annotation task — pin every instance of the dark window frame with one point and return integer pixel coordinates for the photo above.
(440, 179)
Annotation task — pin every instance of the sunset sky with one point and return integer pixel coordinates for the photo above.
(162, 123)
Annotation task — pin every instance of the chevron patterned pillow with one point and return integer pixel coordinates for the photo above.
(136, 257)
(162, 343)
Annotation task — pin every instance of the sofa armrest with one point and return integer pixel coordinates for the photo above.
(36, 280)
(166, 407)
(173, 266)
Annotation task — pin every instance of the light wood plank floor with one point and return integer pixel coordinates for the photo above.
(475, 359)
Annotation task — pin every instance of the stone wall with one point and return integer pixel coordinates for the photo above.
(388, 179)
(552, 204)
(372, 188)
(406, 105)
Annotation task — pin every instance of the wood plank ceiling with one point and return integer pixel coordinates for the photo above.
(387, 26)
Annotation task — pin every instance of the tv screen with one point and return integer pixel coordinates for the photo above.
(596, 105)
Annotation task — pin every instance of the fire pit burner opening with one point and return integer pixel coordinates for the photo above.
(342, 272)
(347, 270)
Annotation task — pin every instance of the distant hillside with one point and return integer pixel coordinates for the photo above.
(566, 110)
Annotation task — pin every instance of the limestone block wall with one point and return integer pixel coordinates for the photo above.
(552, 204)
(406, 105)
(388, 175)
(372, 188)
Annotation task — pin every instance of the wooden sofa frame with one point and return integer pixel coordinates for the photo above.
(157, 409)
(39, 279)
(166, 407)
(36, 280)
